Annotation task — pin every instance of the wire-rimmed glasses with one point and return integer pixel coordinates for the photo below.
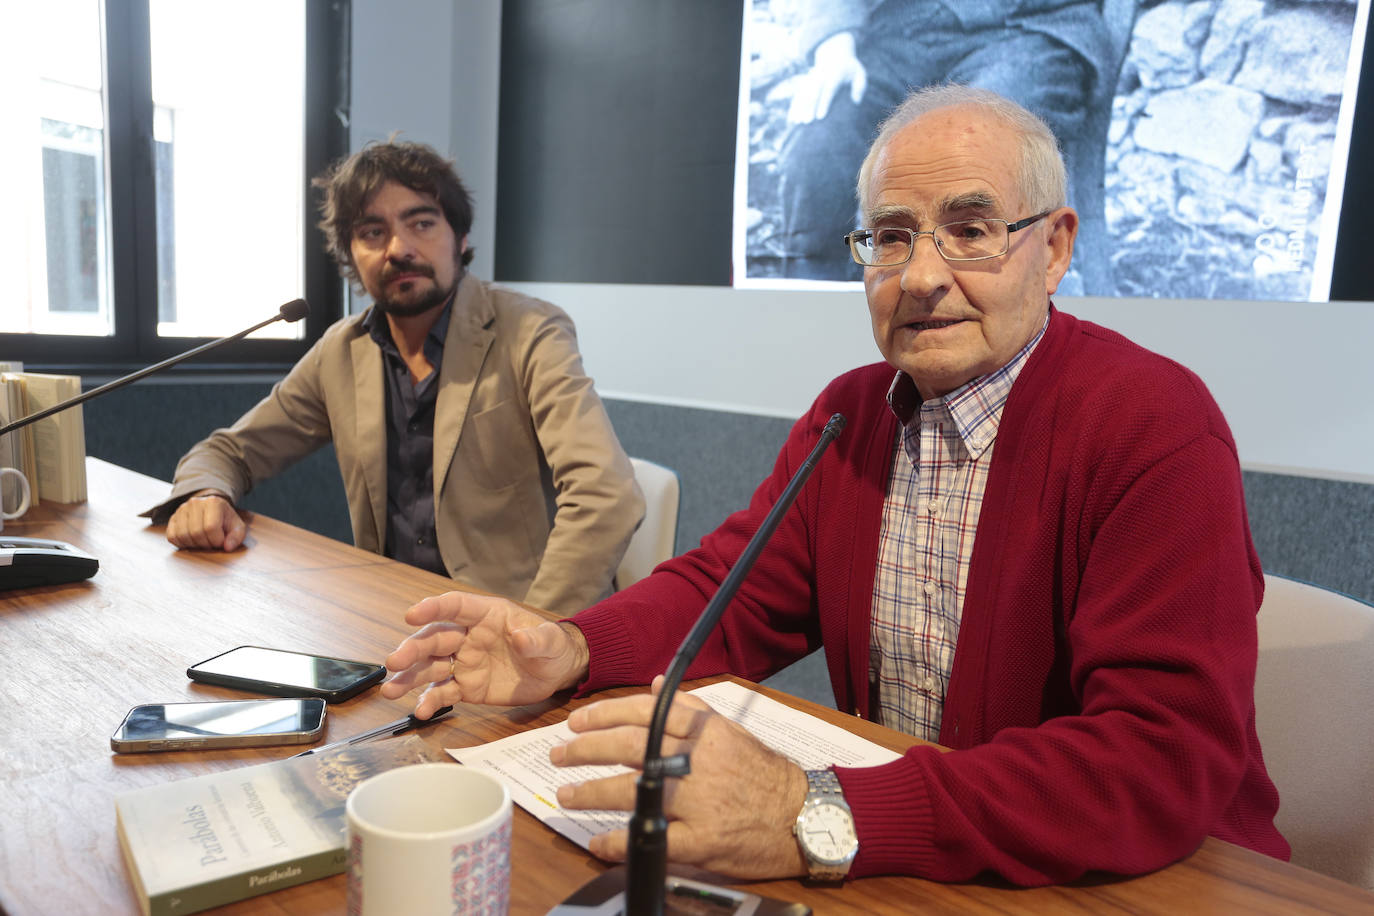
(960, 240)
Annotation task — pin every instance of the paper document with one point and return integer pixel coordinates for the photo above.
(522, 761)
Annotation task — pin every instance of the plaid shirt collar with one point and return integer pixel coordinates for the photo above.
(975, 407)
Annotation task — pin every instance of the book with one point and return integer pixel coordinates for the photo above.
(60, 440)
(522, 761)
(10, 443)
(52, 451)
(16, 448)
(210, 840)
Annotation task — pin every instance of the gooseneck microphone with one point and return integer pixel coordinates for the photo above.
(647, 856)
(294, 310)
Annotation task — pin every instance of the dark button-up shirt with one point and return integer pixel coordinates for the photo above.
(410, 535)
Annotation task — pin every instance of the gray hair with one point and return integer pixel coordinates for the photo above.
(1043, 178)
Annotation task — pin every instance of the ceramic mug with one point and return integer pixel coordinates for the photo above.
(21, 484)
(429, 838)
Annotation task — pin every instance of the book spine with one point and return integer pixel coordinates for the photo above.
(287, 873)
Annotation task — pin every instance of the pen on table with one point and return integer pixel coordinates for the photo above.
(391, 728)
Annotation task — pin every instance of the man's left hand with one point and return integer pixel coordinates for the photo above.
(733, 814)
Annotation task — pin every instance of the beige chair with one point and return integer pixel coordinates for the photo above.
(656, 537)
(1314, 710)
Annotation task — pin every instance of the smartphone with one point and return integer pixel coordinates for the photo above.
(287, 674)
(225, 723)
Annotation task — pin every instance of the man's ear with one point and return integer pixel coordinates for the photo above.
(1062, 230)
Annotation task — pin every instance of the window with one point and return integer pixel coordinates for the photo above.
(163, 150)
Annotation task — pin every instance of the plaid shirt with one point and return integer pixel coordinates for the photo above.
(930, 517)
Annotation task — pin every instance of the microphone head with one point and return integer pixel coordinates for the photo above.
(294, 310)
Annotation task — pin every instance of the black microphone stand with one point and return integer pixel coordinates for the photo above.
(647, 856)
(294, 310)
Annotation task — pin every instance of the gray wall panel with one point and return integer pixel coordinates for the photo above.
(1320, 531)
(719, 457)
(148, 427)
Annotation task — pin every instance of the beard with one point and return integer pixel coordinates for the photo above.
(435, 296)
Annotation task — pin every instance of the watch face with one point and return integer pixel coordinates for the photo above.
(827, 830)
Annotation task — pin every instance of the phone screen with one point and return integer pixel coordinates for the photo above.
(289, 673)
(228, 723)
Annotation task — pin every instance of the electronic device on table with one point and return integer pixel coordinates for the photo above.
(26, 562)
(219, 724)
(287, 674)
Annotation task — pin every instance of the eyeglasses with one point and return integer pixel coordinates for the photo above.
(961, 240)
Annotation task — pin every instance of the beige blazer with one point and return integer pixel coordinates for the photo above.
(534, 497)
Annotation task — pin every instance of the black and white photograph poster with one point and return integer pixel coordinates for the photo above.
(1206, 140)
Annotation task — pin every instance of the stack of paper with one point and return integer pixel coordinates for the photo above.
(522, 761)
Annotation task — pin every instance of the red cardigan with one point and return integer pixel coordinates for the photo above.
(1101, 705)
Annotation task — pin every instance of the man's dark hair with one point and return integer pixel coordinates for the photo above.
(348, 183)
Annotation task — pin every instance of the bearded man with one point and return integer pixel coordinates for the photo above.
(470, 441)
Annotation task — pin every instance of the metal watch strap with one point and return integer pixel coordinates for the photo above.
(823, 786)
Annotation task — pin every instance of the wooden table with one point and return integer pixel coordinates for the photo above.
(76, 657)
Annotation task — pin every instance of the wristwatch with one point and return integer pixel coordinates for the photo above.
(825, 828)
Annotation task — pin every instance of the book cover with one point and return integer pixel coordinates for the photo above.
(211, 840)
(20, 452)
(11, 445)
(59, 440)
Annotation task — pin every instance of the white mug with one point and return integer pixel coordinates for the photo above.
(429, 838)
(22, 485)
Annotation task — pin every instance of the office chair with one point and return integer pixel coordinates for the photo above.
(1314, 711)
(656, 536)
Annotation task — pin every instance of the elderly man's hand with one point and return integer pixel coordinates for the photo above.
(836, 65)
(206, 521)
(733, 814)
(502, 654)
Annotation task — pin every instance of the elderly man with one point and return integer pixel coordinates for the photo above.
(1030, 545)
(471, 442)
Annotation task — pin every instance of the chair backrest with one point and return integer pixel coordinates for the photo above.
(1314, 711)
(656, 537)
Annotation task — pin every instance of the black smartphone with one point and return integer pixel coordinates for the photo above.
(287, 674)
(224, 723)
